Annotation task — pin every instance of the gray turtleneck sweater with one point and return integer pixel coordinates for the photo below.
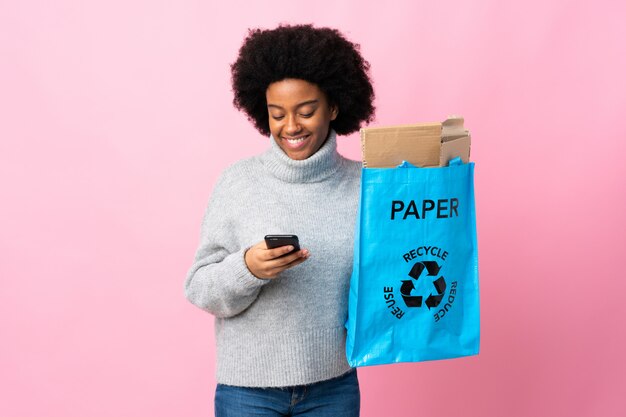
(288, 330)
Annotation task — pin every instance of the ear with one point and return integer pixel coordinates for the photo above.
(334, 111)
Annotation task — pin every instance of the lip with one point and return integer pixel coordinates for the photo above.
(297, 145)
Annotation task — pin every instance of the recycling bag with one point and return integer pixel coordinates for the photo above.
(414, 292)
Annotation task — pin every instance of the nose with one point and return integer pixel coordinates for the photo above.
(292, 127)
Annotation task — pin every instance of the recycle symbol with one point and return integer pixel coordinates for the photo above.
(408, 286)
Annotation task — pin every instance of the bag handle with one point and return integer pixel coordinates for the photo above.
(406, 164)
(455, 161)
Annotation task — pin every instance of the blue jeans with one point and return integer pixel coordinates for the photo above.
(337, 397)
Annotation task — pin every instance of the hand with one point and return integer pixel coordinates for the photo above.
(267, 263)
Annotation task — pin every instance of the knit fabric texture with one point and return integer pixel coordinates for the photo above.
(289, 330)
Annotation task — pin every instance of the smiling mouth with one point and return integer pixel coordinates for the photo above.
(297, 141)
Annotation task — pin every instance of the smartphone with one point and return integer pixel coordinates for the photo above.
(275, 241)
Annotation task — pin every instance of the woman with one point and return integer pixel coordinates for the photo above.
(279, 316)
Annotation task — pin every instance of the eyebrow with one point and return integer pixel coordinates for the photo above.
(298, 105)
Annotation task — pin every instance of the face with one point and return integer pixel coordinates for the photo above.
(299, 116)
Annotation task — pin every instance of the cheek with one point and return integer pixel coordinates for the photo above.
(274, 127)
(321, 123)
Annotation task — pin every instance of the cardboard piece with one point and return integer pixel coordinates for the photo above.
(422, 144)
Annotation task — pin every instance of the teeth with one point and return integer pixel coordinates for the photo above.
(298, 140)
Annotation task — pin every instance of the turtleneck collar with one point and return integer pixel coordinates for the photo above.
(315, 168)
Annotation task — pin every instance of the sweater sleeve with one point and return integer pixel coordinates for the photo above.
(219, 281)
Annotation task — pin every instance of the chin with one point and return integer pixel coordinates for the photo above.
(298, 156)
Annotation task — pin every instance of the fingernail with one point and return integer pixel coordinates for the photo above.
(290, 247)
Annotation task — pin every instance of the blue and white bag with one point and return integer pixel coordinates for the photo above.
(414, 292)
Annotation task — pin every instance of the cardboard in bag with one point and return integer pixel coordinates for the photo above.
(423, 144)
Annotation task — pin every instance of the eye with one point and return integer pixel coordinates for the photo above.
(307, 115)
(277, 117)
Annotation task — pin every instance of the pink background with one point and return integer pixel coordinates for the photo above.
(116, 117)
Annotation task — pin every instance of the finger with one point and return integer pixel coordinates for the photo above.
(287, 259)
(297, 261)
(270, 254)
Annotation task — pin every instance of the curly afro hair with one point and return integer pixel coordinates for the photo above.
(321, 56)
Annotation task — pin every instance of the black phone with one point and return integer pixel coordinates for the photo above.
(275, 241)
